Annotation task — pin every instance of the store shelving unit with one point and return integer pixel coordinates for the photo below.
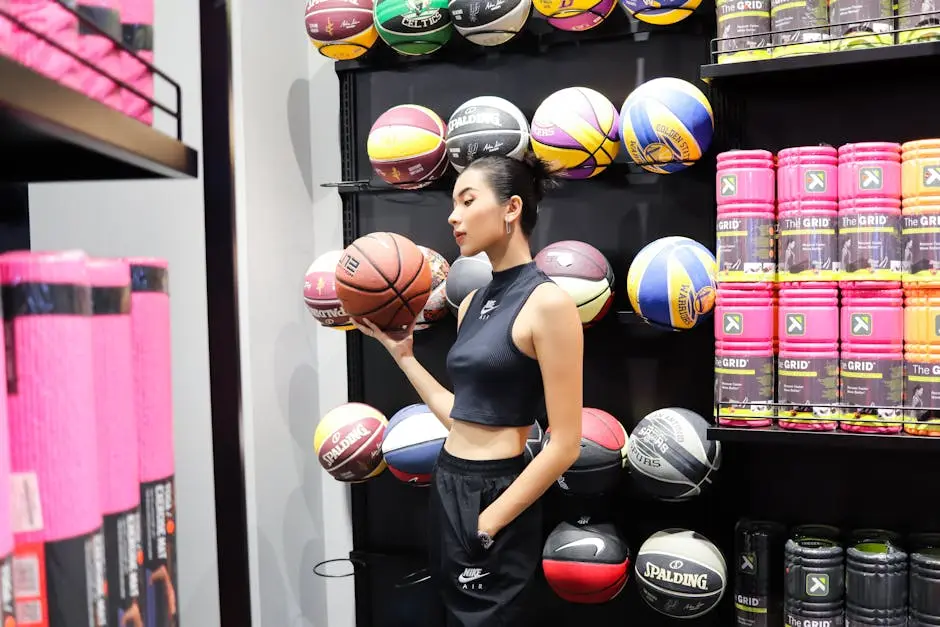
(829, 439)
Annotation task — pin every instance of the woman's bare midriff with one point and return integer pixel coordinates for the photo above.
(468, 440)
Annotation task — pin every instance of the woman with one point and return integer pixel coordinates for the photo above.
(517, 357)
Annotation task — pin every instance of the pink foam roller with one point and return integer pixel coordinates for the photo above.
(744, 376)
(6, 36)
(137, 21)
(101, 51)
(808, 313)
(870, 245)
(808, 241)
(872, 317)
(872, 383)
(745, 315)
(870, 170)
(6, 528)
(56, 22)
(807, 173)
(745, 243)
(745, 176)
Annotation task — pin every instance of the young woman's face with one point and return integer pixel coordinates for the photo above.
(479, 220)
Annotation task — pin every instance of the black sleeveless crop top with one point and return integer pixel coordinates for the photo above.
(495, 383)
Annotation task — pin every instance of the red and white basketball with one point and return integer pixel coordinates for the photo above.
(436, 307)
(348, 442)
(599, 467)
(583, 272)
(320, 292)
(586, 563)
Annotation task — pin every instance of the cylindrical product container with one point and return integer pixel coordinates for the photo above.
(870, 239)
(744, 354)
(872, 357)
(814, 582)
(100, 49)
(808, 173)
(743, 30)
(876, 584)
(922, 361)
(920, 241)
(861, 23)
(54, 21)
(119, 478)
(808, 356)
(870, 170)
(746, 248)
(745, 176)
(920, 167)
(7, 602)
(137, 31)
(800, 27)
(808, 241)
(918, 20)
(59, 554)
(758, 580)
(924, 601)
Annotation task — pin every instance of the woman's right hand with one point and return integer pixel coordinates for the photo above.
(399, 344)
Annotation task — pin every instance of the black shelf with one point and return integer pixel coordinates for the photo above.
(776, 436)
(907, 58)
(53, 133)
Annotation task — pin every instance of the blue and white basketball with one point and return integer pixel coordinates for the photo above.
(660, 12)
(671, 283)
(666, 125)
(413, 440)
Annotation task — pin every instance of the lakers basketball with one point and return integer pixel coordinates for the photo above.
(348, 442)
(666, 125)
(575, 131)
(406, 146)
(671, 283)
(660, 12)
(340, 29)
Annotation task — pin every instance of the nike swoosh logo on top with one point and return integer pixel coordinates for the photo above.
(597, 543)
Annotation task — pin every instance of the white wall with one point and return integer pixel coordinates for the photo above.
(165, 219)
(287, 143)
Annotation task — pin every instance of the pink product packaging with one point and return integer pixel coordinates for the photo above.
(54, 21)
(872, 384)
(870, 170)
(100, 50)
(745, 176)
(137, 28)
(744, 384)
(870, 239)
(746, 248)
(872, 314)
(745, 315)
(808, 240)
(807, 173)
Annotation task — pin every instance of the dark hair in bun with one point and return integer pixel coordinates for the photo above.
(528, 178)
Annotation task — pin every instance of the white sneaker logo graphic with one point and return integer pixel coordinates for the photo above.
(597, 543)
(487, 308)
(471, 574)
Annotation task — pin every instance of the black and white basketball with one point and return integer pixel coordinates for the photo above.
(489, 22)
(466, 274)
(486, 125)
(670, 454)
(533, 442)
(680, 573)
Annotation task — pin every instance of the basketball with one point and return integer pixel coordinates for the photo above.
(413, 27)
(533, 442)
(436, 307)
(385, 278)
(575, 130)
(406, 146)
(600, 465)
(340, 29)
(466, 274)
(489, 23)
(666, 125)
(483, 126)
(660, 13)
(348, 442)
(671, 283)
(583, 272)
(670, 454)
(320, 292)
(573, 21)
(586, 563)
(412, 442)
(680, 573)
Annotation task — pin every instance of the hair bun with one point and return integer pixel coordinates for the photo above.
(543, 175)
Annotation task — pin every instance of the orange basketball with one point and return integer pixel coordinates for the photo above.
(385, 278)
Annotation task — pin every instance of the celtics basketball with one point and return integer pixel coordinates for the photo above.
(413, 27)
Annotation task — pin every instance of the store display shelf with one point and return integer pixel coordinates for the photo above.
(776, 436)
(53, 133)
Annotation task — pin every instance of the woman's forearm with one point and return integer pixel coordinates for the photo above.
(438, 398)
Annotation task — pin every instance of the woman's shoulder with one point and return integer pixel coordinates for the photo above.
(550, 299)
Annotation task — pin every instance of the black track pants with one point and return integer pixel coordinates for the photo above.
(481, 588)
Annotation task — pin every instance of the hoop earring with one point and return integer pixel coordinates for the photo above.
(508, 227)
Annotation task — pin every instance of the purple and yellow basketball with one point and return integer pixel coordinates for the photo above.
(406, 146)
(576, 130)
(585, 20)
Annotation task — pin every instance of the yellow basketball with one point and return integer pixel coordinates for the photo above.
(348, 442)
(406, 146)
(576, 130)
(340, 29)
(346, 49)
(563, 8)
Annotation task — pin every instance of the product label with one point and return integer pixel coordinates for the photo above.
(870, 246)
(746, 249)
(124, 560)
(807, 247)
(797, 621)
(158, 537)
(870, 383)
(751, 611)
(811, 15)
(747, 383)
(920, 235)
(922, 390)
(807, 388)
(743, 25)
(850, 17)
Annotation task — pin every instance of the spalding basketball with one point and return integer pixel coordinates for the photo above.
(340, 29)
(600, 465)
(467, 274)
(486, 125)
(436, 307)
(348, 442)
(412, 442)
(583, 272)
(670, 454)
(320, 292)
(384, 278)
(406, 146)
(586, 563)
(680, 573)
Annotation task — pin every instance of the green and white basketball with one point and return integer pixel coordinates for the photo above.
(413, 27)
